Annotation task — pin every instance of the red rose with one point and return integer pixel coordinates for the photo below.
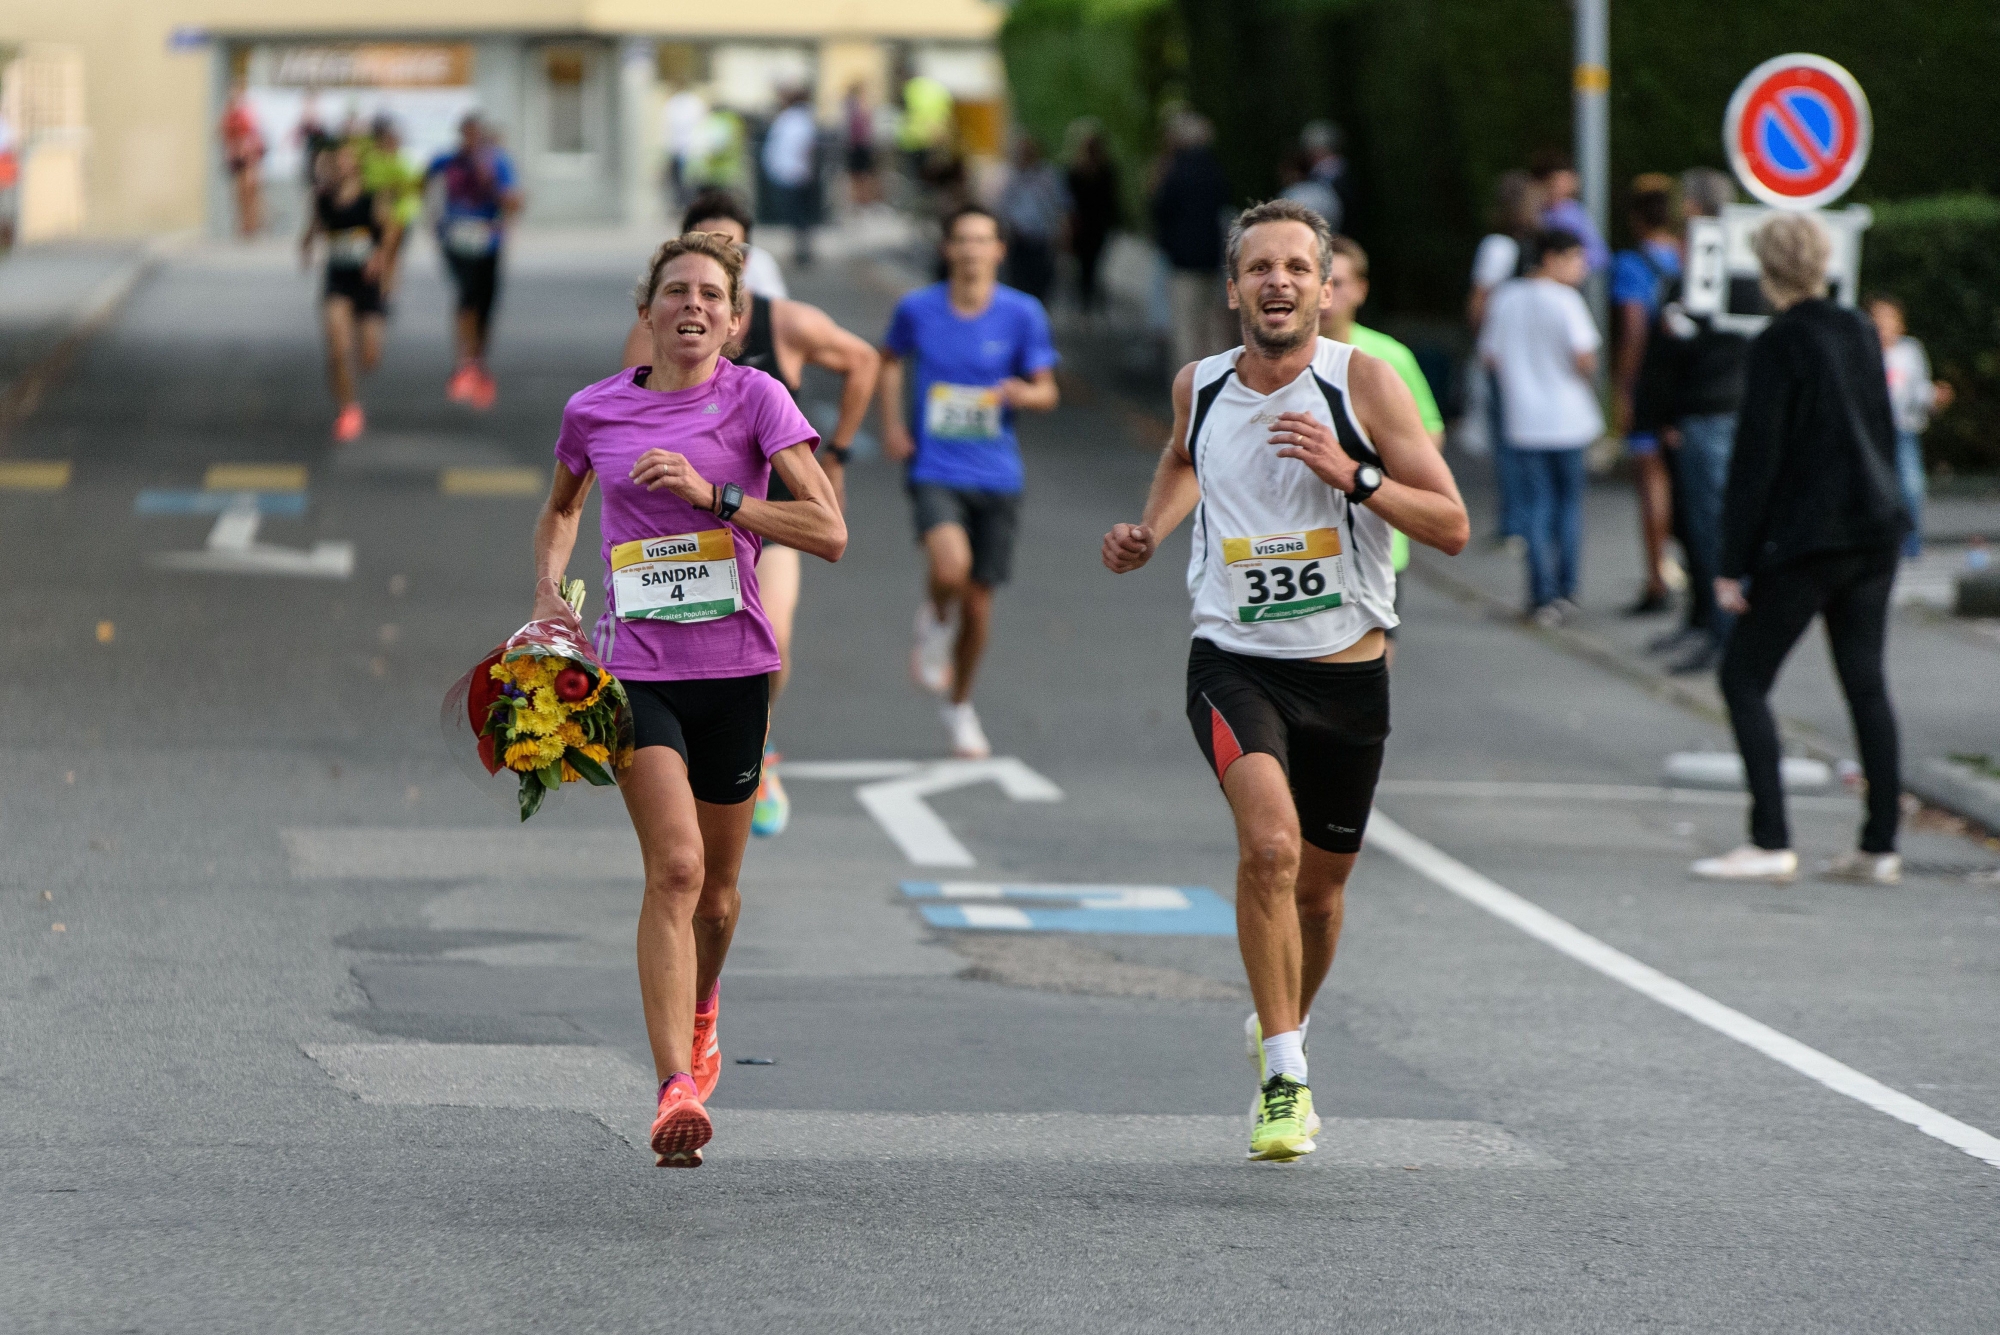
(572, 684)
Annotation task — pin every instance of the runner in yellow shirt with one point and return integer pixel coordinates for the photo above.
(388, 176)
(1348, 281)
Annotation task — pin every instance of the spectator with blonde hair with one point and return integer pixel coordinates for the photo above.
(1811, 522)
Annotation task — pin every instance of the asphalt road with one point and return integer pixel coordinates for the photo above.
(325, 1041)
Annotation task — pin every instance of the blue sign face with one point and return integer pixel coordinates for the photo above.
(1798, 132)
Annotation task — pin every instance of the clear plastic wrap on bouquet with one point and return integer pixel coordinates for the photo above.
(537, 713)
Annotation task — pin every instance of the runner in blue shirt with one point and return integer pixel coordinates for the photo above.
(478, 197)
(982, 353)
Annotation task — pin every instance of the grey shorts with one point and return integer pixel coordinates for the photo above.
(989, 519)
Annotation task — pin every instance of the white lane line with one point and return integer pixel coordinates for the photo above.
(1432, 862)
(898, 805)
(1504, 790)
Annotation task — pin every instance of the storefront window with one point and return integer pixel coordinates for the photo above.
(565, 71)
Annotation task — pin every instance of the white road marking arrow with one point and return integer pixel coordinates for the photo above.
(233, 549)
(898, 804)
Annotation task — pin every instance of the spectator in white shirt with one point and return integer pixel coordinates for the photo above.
(791, 161)
(1913, 397)
(1517, 211)
(1542, 345)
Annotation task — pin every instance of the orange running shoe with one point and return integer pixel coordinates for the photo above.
(459, 388)
(682, 1127)
(484, 389)
(349, 425)
(707, 1047)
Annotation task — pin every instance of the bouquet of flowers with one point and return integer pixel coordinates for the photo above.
(541, 707)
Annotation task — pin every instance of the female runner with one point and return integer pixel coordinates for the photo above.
(361, 235)
(686, 448)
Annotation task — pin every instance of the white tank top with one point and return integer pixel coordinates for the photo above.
(1282, 566)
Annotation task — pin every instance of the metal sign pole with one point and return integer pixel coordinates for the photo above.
(1592, 83)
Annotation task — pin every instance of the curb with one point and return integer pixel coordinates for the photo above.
(23, 395)
(1934, 782)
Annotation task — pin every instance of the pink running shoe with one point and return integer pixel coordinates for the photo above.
(682, 1127)
(459, 388)
(707, 1047)
(350, 424)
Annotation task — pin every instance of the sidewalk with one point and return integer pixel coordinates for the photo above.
(1943, 671)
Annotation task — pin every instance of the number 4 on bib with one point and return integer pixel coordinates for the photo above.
(1284, 576)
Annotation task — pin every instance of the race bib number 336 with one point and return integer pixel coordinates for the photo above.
(1283, 576)
(687, 577)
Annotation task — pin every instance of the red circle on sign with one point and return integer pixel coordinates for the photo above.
(1798, 131)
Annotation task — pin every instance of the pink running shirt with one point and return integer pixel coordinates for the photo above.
(728, 427)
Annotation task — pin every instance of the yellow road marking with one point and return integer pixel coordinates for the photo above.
(34, 474)
(493, 481)
(255, 477)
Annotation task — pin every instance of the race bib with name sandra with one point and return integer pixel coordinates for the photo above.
(962, 412)
(1284, 576)
(687, 577)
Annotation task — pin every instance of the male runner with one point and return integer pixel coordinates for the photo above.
(479, 197)
(982, 352)
(1347, 286)
(1297, 455)
(388, 176)
(780, 338)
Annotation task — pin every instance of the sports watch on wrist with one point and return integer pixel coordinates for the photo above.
(1367, 481)
(728, 501)
(838, 453)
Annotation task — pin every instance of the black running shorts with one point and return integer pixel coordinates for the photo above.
(352, 285)
(477, 278)
(988, 518)
(718, 726)
(1325, 724)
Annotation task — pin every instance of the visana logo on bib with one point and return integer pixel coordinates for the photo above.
(668, 548)
(1279, 544)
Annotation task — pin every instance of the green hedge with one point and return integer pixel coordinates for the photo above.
(1941, 256)
(1117, 60)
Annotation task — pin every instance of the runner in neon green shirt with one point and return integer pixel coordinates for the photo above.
(1348, 277)
(387, 175)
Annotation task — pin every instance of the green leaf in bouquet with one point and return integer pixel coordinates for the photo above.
(595, 773)
(550, 775)
(531, 795)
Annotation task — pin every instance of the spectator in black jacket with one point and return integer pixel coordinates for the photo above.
(1811, 522)
(1188, 204)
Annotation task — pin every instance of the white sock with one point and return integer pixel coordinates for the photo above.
(1305, 1025)
(1285, 1054)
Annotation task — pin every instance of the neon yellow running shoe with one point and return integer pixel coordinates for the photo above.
(1253, 1041)
(1283, 1116)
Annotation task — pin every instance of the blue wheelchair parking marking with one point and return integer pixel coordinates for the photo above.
(161, 503)
(1136, 910)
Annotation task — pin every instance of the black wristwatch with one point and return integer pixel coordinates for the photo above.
(1367, 481)
(728, 500)
(838, 453)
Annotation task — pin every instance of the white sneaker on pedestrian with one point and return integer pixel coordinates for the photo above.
(968, 739)
(1750, 863)
(1867, 868)
(930, 656)
(1548, 616)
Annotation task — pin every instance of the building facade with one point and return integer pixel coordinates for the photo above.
(117, 102)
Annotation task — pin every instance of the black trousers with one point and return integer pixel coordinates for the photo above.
(1851, 590)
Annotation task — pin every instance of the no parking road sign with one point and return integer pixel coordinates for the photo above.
(1797, 131)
